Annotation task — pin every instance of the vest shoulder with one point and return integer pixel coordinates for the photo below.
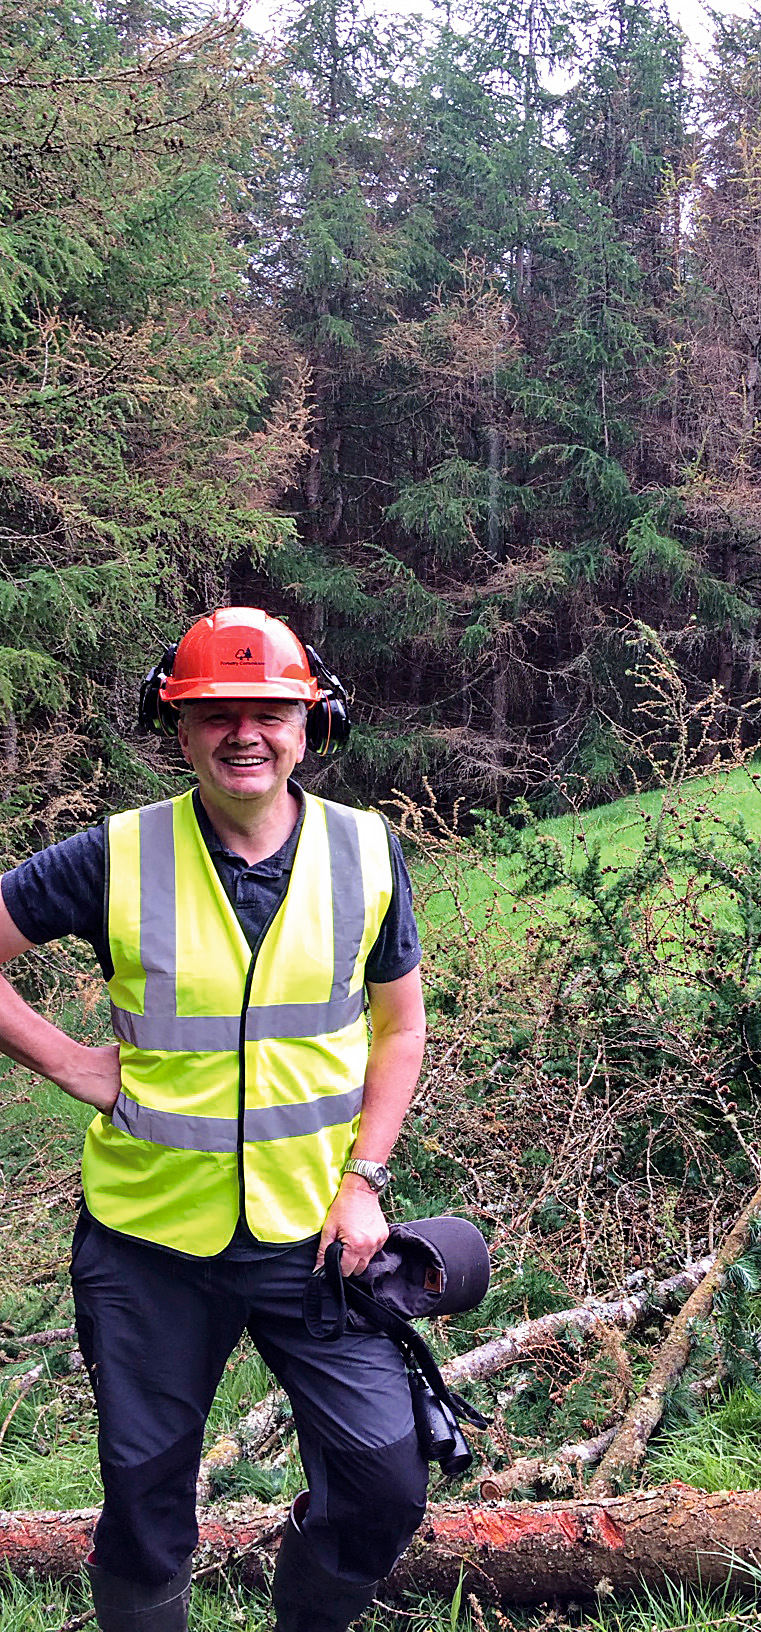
(347, 812)
(142, 810)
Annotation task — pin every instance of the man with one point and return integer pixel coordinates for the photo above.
(244, 1125)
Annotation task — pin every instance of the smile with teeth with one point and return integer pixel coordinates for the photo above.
(244, 764)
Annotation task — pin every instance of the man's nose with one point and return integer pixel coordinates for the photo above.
(245, 728)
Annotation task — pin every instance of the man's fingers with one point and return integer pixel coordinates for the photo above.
(355, 1268)
(325, 1240)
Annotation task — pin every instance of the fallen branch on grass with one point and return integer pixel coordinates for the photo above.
(627, 1452)
(556, 1471)
(520, 1341)
(22, 1386)
(38, 1340)
(254, 1435)
(519, 1552)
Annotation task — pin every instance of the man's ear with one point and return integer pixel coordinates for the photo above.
(182, 737)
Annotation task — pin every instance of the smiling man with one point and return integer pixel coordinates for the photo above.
(244, 1124)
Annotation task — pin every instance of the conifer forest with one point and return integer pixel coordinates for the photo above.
(439, 337)
(367, 322)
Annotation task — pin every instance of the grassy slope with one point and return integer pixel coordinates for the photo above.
(617, 830)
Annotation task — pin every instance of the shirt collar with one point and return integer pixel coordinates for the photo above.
(280, 862)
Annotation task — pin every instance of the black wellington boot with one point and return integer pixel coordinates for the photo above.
(306, 1597)
(127, 1606)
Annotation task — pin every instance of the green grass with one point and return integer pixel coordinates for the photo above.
(487, 892)
(26, 1606)
(675, 1608)
(35, 1483)
(721, 1450)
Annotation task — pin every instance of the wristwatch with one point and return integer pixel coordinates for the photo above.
(375, 1173)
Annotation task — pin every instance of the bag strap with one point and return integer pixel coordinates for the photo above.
(345, 1293)
(328, 1279)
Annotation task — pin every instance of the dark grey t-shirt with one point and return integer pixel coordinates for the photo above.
(62, 891)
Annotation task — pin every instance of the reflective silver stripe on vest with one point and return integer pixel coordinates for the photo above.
(158, 915)
(218, 1034)
(348, 895)
(219, 1134)
(161, 1029)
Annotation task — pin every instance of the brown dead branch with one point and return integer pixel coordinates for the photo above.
(556, 1471)
(627, 1451)
(22, 1386)
(39, 1340)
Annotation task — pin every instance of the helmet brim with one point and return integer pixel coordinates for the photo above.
(284, 691)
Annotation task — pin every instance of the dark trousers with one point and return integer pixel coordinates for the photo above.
(156, 1332)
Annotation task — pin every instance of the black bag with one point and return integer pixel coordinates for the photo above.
(431, 1266)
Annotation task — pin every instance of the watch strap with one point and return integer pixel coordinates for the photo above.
(371, 1171)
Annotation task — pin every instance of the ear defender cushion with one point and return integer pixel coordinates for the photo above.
(153, 713)
(328, 726)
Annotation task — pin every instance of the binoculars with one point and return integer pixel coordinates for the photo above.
(439, 1434)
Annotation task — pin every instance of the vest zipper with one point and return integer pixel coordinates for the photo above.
(242, 1084)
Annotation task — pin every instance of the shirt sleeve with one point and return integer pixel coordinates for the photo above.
(397, 949)
(61, 891)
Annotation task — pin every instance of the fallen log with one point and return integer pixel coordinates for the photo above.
(516, 1552)
(520, 1341)
(627, 1452)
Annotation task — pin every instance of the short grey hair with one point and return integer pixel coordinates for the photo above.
(293, 702)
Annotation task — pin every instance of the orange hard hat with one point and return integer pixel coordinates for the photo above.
(239, 651)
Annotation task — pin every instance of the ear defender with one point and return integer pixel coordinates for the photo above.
(153, 713)
(328, 724)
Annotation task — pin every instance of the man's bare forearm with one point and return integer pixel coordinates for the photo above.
(393, 1069)
(393, 1066)
(90, 1074)
(356, 1217)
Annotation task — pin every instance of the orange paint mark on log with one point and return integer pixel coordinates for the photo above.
(608, 1532)
(499, 1528)
(487, 1527)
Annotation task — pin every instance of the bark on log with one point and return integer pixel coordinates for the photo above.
(627, 1452)
(523, 1340)
(517, 1552)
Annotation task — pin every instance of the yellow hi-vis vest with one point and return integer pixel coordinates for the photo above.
(241, 1075)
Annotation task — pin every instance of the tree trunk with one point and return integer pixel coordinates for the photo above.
(521, 1552)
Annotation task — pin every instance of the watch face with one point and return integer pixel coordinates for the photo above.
(374, 1172)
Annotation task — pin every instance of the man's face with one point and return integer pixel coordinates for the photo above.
(242, 748)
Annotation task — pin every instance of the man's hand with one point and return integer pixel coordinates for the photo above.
(355, 1218)
(92, 1075)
